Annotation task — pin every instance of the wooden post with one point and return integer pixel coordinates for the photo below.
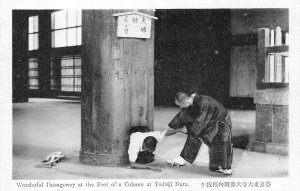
(272, 67)
(278, 67)
(20, 59)
(44, 56)
(117, 88)
(263, 42)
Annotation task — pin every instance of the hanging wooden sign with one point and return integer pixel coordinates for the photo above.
(134, 25)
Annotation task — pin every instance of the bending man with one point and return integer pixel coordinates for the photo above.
(208, 121)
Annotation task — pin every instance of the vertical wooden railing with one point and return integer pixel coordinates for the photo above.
(272, 56)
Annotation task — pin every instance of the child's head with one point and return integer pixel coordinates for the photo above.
(149, 144)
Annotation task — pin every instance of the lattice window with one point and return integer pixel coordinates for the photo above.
(66, 28)
(33, 73)
(276, 47)
(33, 33)
(71, 73)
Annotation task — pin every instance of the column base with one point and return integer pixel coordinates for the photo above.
(103, 159)
(271, 148)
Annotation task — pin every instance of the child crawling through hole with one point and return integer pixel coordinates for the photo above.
(143, 144)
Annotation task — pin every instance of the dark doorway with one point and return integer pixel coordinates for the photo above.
(192, 53)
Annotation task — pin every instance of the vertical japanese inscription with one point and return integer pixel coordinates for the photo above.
(134, 26)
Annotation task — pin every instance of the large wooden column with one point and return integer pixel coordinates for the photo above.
(117, 88)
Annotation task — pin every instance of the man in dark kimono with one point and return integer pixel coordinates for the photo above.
(206, 120)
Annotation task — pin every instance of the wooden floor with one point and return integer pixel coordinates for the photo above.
(43, 126)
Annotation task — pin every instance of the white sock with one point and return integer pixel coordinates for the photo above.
(179, 159)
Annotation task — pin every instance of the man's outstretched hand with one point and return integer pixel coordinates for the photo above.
(183, 130)
(169, 131)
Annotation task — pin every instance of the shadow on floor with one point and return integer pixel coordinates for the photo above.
(241, 142)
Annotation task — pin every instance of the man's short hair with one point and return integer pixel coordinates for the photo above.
(181, 97)
(150, 142)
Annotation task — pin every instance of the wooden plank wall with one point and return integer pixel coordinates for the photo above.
(243, 71)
